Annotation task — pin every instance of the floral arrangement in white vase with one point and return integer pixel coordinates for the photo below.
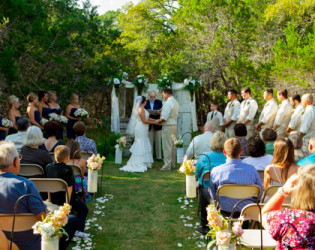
(178, 142)
(6, 123)
(81, 113)
(187, 167)
(95, 162)
(121, 142)
(141, 83)
(53, 224)
(221, 230)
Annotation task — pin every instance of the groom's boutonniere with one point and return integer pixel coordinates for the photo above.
(303, 111)
(215, 113)
(248, 102)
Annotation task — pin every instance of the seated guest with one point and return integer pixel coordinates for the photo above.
(75, 158)
(232, 172)
(269, 136)
(297, 144)
(241, 133)
(13, 187)
(201, 143)
(282, 165)
(18, 138)
(51, 129)
(61, 170)
(30, 151)
(311, 148)
(293, 228)
(257, 151)
(216, 156)
(86, 144)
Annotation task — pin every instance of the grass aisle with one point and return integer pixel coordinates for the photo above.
(145, 212)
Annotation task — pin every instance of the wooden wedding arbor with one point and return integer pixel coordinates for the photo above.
(186, 122)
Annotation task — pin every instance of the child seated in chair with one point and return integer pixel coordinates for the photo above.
(61, 170)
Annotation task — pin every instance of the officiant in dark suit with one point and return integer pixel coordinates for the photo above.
(155, 131)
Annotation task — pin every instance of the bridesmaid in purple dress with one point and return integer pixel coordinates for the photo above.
(70, 110)
(32, 111)
(43, 106)
(55, 108)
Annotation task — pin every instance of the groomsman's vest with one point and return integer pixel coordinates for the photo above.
(268, 115)
(246, 105)
(296, 118)
(283, 117)
(229, 110)
(215, 119)
(170, 112)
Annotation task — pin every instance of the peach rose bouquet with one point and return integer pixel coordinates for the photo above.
(221, 231)
(187, 167)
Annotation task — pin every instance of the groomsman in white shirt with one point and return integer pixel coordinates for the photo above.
(231, 113)
(169, 127)
(248, 111)
(283, 115)
(307, 129)
(269, 112)
(295, 122)
(215, 116)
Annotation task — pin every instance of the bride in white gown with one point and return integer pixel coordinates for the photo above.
(138, 126)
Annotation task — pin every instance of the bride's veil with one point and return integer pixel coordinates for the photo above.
(132, 122)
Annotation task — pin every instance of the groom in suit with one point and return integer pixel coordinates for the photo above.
(155, 131)
(169, 127)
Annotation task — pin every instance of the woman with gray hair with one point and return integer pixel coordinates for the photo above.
(30, 151)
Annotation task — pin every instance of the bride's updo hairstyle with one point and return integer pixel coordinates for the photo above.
(143, 99)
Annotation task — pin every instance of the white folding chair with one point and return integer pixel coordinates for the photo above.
(51, 185)
(270, 191)
(261, 174)
(31, 171)
(252, 237)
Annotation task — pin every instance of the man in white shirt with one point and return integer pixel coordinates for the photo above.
(296, 117)
(168, 121)
(269, 112)
(18, 138)
(248, 111)
(231, 113)
(201, 143)
(307, 129)
(283, 116)
(215, 116)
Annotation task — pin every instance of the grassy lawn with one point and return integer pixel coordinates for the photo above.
(144, 213)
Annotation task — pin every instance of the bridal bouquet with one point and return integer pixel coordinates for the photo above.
(43, 121)
(81, 113)
(6, 123)
(221, 231)
(52, 225)
(179, 142)
(187, 167)
(121, 142)
(58, 118)
(95, 162)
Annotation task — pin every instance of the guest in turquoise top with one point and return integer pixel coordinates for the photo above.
(310, 159)
(32, 111)
(269, 137)
(216, 157)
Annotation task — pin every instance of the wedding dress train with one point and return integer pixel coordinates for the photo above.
(141, 158)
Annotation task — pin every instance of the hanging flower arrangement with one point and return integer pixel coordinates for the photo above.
(165, 82)
(118, 80)
(141, 83)
(192, 85)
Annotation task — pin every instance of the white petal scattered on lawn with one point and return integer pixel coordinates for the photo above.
(197, 223)
(182, 216)
(184, 221)
(179, 245)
